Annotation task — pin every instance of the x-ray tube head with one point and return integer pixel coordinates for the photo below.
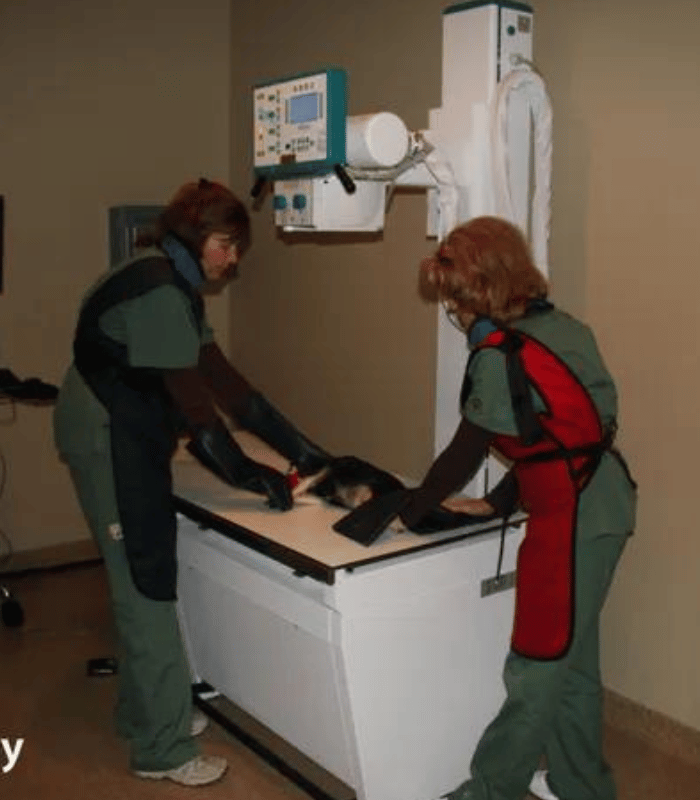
(376, 140)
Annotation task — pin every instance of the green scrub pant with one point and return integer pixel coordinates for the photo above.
(154, 706)
(553, 707)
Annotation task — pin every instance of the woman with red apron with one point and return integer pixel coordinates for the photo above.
(538, 393)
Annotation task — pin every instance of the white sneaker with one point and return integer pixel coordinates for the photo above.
(539, 786)
(199, 771)
(199, 723)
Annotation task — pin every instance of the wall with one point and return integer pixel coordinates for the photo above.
(625, 87)
(100, 104)
(331, 327)
(333, 331)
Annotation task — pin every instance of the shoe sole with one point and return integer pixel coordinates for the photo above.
(159, 776)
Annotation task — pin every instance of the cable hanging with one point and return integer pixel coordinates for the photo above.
(525, 78)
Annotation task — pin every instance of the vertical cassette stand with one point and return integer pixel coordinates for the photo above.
(481, 43)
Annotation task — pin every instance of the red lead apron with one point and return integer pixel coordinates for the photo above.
(552, 463)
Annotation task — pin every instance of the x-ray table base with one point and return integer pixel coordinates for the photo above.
(381, 664)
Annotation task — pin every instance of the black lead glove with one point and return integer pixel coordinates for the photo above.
(252, 411)
(215, 448)
(261, 418)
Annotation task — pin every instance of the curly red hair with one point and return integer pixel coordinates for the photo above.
(485, 268)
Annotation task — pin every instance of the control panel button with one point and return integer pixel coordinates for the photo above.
(279, 202)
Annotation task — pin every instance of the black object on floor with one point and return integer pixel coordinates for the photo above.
(102, 667)
(11, 611)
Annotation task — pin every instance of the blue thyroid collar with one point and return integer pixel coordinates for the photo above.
(479, 330)
(183, 261)
(483, 326)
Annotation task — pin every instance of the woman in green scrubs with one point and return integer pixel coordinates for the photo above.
(146, 371)
(536, 390)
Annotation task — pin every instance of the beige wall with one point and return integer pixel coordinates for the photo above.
(101, 103)
(333, 331)
(625, 83)
(332, 328)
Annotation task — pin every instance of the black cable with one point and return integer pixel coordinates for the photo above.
(4, 538)
(10, 610)
(34, 391)
(501, 547)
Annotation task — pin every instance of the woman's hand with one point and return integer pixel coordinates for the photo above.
(469, 505)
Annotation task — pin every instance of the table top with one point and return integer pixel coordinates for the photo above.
(302, 537)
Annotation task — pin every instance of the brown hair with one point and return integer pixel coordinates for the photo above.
(198, 209)
(485, 267)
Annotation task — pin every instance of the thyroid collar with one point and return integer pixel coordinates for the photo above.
(183, 261)
(479, 330)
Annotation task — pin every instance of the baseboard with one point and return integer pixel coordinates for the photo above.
(666, 734)
(82, 551)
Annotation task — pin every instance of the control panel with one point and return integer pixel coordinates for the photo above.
(299, 125)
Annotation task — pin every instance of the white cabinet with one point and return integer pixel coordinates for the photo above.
(383, 665)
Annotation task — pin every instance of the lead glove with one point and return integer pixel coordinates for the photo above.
(254, 413)
(215, 448)
(260, 417)
(420, 509)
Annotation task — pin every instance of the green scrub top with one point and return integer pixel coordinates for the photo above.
(159, 331)
(607, 504)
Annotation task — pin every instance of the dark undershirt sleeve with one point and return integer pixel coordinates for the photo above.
(504, 495)
(450, 471)
(191, 397)
(231, 390)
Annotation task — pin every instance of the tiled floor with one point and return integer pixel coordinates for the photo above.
(64, 717)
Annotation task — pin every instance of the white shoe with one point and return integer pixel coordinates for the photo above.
(199, 722)
(199, 771)
(539, 786)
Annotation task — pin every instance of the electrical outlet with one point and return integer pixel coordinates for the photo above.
(499, 583)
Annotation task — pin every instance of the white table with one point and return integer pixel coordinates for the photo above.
(382, 664)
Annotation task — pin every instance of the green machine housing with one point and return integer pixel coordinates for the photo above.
(299, 125)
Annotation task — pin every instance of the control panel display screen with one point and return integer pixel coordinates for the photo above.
(303, 108)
